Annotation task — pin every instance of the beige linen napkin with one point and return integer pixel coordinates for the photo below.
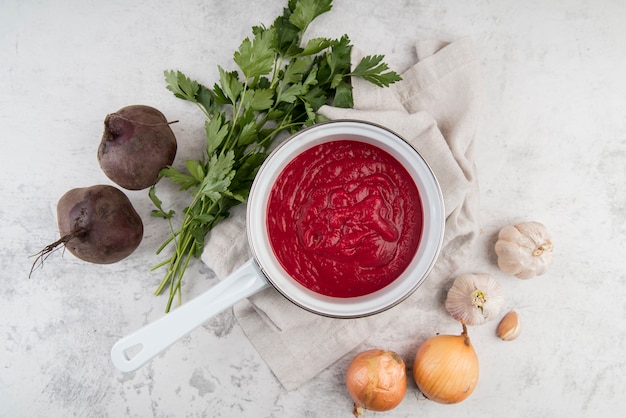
(436, 108)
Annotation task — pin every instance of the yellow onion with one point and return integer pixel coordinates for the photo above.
(446, 368)
(376, 380)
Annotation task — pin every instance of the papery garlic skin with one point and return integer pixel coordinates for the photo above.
(475, 299)
(524, 250)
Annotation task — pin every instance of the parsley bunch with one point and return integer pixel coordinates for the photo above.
(279, 86)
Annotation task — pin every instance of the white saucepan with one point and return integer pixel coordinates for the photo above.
(264, 270)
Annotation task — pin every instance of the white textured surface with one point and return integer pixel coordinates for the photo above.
(552, 149)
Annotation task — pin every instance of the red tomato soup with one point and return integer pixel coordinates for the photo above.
(344, 218)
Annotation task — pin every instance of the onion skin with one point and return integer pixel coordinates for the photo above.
(446, 368)
(376, 380)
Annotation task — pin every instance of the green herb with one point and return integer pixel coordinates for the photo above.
(280, 84)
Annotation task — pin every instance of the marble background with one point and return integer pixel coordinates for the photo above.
(552, 148)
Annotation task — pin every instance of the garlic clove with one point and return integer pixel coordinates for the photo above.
(509, 327)
(475, 298)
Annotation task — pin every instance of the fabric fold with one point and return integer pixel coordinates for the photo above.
(436, 108)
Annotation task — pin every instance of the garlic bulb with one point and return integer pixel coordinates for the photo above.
(524, 250)
(475, 298)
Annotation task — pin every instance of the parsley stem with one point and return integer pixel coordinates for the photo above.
(277, 65)
(175, 288)
(203, 110)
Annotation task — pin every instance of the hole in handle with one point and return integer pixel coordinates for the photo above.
(132, 351)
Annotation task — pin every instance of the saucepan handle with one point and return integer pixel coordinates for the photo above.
(133, 351)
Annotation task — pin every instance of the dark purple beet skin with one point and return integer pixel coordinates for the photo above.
(136, 144)
(100, 224)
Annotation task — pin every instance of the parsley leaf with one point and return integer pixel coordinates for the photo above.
(181, 85)
(260, 99)
(373, 69)
(315, 45)
(216, 132)
(159, 212)
(256, 58)
(230, 87)
(343, 95)
(218, 177)
(307, 10)
(287, 36)
(186, 181)
(206, 100)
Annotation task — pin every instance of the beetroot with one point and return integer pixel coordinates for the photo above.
(97, 224)
(136, 144)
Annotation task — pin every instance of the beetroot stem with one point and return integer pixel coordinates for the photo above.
(117, 115)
